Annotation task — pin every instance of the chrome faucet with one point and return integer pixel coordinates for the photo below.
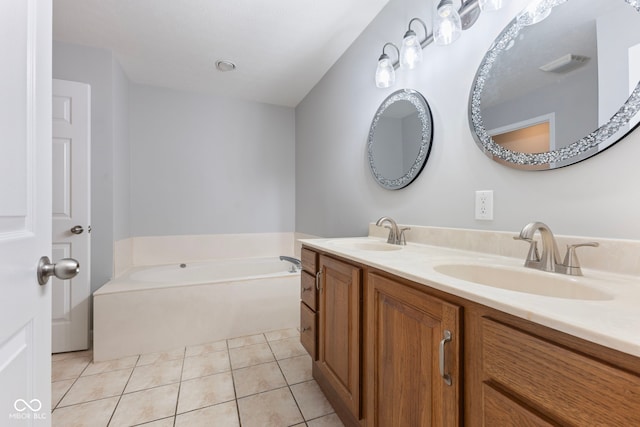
(296, 263)
(396, 234)
(549, 260)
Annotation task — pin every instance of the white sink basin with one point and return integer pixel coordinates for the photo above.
(524, 280)
(364, 245)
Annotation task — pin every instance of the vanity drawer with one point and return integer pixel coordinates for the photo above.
(308, 323)
(574, 389)
(309, 260)
(500, 410)
(308, 290)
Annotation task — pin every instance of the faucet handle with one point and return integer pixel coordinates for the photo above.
(571, 262)
(402, 239)
(533, 255)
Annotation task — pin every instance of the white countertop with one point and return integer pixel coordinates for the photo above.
(613, 322)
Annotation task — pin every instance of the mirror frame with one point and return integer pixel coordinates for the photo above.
(529, 161)
(426, 119)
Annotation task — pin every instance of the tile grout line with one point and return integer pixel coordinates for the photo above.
(288, 386)
(175, 412)
(122, 393)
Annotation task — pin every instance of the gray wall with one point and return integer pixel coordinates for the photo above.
(109, 147)
(121, 155)
(203, 164)
(336, 195)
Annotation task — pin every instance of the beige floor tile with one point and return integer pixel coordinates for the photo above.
(296, 369)
(58, 389)
(289, 347)
(281, 334)
(330, 420)
(250, 355)
(71, 354)
(311, 400)
(147, 405)
(222, 415)
(160, 373)
(165, 422)
(207, 364)
(110, 365)
(197, 350)
(96, 387)
(91, 414)
(258, 378)
(248, 340)
(300, 425)
(70, 368)
(163, 356)
(205, 391)
(275, 408)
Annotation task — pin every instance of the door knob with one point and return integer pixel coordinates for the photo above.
(77, 229)
(66, 268)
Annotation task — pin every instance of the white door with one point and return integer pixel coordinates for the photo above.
(25, 211)
(71, 213)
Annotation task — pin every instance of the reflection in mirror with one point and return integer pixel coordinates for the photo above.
(400, 139)
(559, 84)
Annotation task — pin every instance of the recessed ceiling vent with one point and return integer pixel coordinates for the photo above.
(566, 63)
(225, 65)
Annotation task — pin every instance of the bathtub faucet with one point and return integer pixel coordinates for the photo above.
(296, 264)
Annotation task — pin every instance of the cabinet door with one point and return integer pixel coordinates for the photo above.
(405, 329)
(339, 330)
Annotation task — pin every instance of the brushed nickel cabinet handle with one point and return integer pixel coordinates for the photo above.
(306, 289)
(318, 279)
(446, 377)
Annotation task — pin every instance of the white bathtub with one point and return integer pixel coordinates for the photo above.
(159, 308)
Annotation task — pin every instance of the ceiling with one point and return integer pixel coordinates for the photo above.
(282, 48)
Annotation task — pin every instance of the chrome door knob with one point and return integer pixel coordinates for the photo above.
(66, 268)
(77, 229)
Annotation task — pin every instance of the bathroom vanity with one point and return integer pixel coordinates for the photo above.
(395, 343)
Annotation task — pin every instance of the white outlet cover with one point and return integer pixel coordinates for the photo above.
(484, 205)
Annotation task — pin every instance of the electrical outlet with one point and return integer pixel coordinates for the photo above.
(484, 205)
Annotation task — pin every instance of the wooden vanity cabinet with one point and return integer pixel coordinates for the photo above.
(378, 351)
(339, 335)
(529, 380)
(405, 339)
(308, 302)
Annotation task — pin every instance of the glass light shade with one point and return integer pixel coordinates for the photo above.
(410, 52)
(490, 5)
(447, 26)
(385, 73)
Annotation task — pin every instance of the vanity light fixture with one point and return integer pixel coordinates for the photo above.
(386, 73)
(411, 50)
(447, 25)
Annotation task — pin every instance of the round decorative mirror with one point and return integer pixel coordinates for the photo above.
(400, 139)
(560, 84)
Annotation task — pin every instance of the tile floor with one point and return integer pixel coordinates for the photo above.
(260, 380)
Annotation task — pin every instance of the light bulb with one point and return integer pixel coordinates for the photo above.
(490, 5)
(385, 73)
(447, 26)
(411, 51)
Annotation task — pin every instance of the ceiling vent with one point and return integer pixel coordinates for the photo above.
(566, 63)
